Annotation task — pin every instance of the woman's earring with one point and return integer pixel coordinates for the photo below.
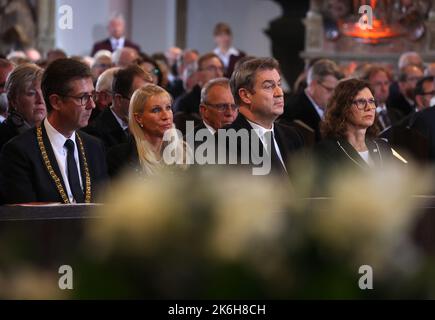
(141, 125)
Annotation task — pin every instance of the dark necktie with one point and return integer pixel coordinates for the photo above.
(276, 164)
(384, 119)
(73, 175)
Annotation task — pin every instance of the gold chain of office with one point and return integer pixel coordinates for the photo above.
(53, 174)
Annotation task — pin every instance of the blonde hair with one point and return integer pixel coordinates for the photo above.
(148, 160)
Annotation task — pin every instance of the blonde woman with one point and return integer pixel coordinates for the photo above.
(26, 103)
(154, 144)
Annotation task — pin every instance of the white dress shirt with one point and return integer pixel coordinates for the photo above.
(121, 122)
(117, 43)
(225, 57)
(210, 128)
(261, 131)
(319, 110)
(57, 141)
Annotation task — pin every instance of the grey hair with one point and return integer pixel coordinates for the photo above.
(21, 77)
(105, 80)
(322, 69)
(222, 82)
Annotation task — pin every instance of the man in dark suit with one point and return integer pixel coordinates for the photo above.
(402, 99)
(186, 107)
(111, 125)
(309, 106)
(55, 162)
(425, 124)
(117, 39)
(380, 79)
(256, 87)
(217, 109)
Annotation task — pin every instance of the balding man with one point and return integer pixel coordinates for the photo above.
(111, 125)
(116, 40)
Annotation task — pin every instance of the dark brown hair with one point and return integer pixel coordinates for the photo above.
(338, 109)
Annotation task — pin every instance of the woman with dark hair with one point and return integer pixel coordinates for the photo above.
(349, 131)
(150, 66)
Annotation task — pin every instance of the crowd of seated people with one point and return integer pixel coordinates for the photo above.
(72, 124)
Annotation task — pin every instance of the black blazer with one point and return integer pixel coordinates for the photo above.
(11, 127)
(301, 108)
(25, 178)
(424, 122)
(288, 139)
(334, 154)
(107, 128)
(398, 102)
(122, 157)
(107, 45)
(189, 102)
(332, 157)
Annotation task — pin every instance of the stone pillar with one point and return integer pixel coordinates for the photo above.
(314, 31)
(46, 15)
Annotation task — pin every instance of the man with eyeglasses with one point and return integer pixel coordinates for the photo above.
(423, 119)
(111, 125)
(217, 107)
(209, 67)
(380, 79)
(424, 97)
(55, 162)
(104, 93)
(256, 87)
(403, 99)
(309, 106)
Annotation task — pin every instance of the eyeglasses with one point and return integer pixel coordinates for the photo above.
(361, 104)
(105, 94)
(84, 99)
(222, 107)
(330, 90)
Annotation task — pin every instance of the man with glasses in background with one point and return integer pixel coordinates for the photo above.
(309, 106)
(403, 99)
(217, 109)
(209, 67)
(380, 80)
(55, 162)
(111, 125)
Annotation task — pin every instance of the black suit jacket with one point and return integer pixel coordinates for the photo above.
(122, 157)
(25, 178)
(288, 139)
(189, 102)
(425, 124)
(106, 45)
(334, 156)
(398, 102)
(301, 108)
(107, 128)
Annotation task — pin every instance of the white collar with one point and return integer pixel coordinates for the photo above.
(231, 51)
(121, 122)
(210, 128)
(319, 110)
(261, 131)
(56, 138)
(381, 107)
